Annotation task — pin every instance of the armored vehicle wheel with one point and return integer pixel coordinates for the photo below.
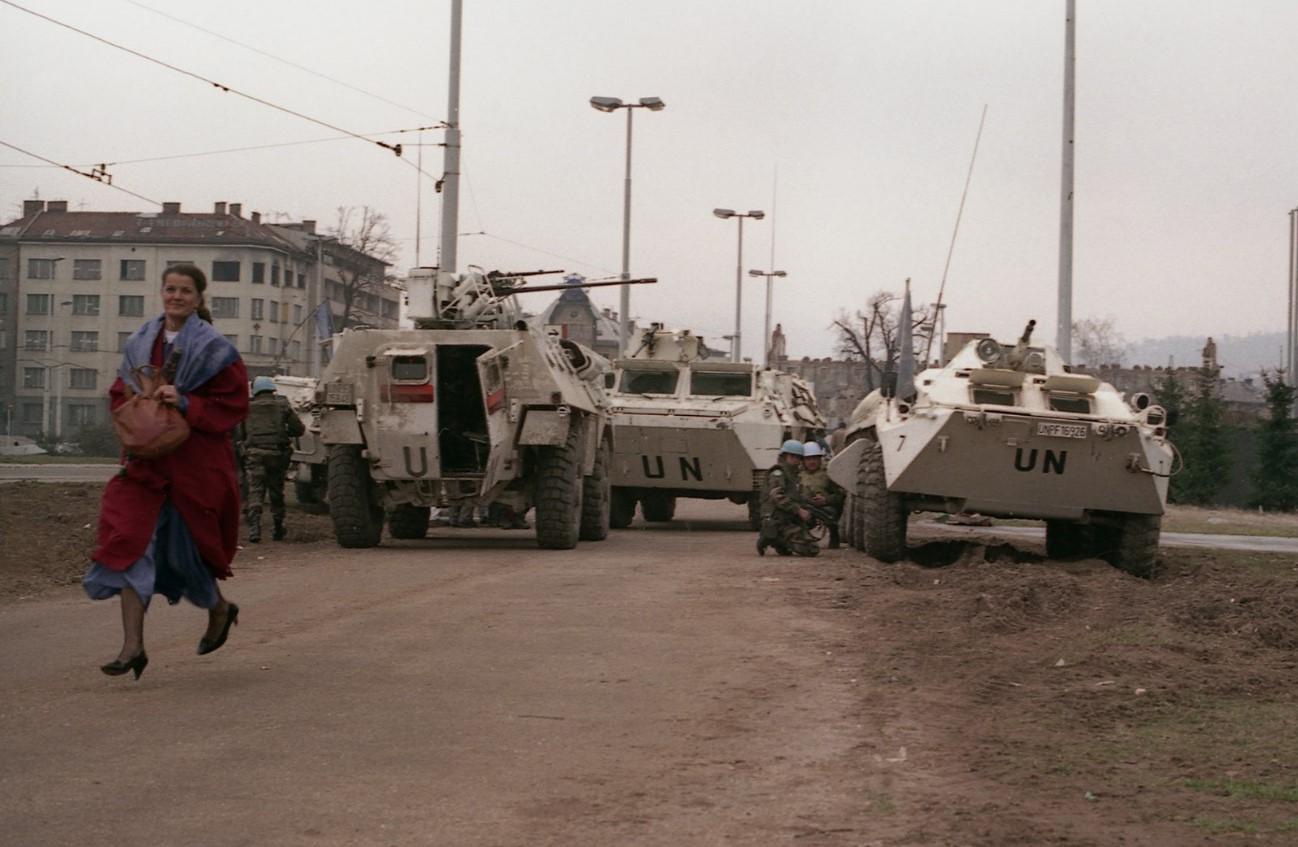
(1132, 545)
(1065, 539)
(357, 517)
(408, 521)
(596, 491)
(658, 508)
(558, 493)
(621, 508)
(883, 515)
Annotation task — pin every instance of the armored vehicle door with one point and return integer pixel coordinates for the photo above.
(502, 416)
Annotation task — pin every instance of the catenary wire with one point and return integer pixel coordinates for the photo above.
(394, 148)
(97, 178)
(280, 59)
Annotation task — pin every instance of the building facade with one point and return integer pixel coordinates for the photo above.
(574, 316)
(74, 285)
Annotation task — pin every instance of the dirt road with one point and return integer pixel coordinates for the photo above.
(666, 687)
(57, 473)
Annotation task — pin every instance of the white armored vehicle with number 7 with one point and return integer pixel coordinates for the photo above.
(1008, 431)
(471, 407)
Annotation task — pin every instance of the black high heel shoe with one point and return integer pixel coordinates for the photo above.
(231, 618)
(136, 663)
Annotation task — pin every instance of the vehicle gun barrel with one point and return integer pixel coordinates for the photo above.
(504, 291)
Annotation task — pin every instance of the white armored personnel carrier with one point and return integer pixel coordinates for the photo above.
(1007, 431)
(686, 425)
(471, 407)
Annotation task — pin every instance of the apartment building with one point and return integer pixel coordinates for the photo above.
(74, 285)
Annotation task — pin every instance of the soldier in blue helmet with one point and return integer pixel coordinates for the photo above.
(267, 439)
(785, 524)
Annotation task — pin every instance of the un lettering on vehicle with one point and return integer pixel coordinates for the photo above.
(690, 468)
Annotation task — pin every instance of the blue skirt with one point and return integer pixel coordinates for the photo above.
(170, 566)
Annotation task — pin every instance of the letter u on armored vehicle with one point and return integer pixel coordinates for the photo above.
(687, 426)
(1007, 431)
(471, 407)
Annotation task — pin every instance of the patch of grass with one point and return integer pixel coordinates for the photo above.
(1244, 790)
(1220, 826)
(882, 804)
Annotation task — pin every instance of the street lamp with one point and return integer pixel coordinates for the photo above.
(612, 104)
(736, 349)
(769, 276)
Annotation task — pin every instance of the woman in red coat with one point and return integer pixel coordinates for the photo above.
(170, 525)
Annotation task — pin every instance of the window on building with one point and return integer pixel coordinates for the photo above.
(4, 345)
(4, 303)
(121, 340)
(297, 314)
(84, 342)
(130, 305)
(272, 346)
(234, 341)
(390, 309)
(274, 312)
(274, 274)
(82, 415)
(85, 304)
(4, 268)
(38, 304)
(259, 272)
(33, 377)
(40, 269)
(82, 377)
(225, 307)
(301, 280)
(258, 308)
(225, 272)
(36, 339)
(254, 344)
(132, 269)
(87, 269)
(31, 413)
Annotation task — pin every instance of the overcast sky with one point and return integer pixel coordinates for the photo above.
(1186, 126)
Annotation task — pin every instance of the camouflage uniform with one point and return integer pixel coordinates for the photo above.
(781, 526)
(816, 482)
(267, 437)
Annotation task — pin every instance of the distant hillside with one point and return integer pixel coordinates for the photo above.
(1240, 355)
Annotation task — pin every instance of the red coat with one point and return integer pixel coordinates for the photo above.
(199, 477)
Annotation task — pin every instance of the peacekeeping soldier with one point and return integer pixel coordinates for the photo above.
(819, 490)
(785, 524)
(267, 437)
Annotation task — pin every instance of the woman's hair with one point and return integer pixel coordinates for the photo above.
(196, 275)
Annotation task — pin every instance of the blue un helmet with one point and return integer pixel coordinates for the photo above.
(792, 446)
(262, 383)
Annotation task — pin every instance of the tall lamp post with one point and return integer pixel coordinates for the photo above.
(770, 275)
(736, 349)
(612, 104)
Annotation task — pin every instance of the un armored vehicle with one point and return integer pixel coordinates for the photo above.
(310, 464)
(1008, 431)
(469, 408)
(686, 425)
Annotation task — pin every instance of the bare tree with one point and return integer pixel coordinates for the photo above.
(1098, 342)
(362, 267)
(871, 334)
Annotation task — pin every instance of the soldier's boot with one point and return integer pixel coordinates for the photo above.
(762, 544)
(254, 526)
(833, 537)
(279, 533)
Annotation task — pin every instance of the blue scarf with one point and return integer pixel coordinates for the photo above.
(204, 353)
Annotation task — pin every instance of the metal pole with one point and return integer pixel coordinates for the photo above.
(451, 156)
(419, 199)
(1064, 320)
(58, 404)
(624, 294)
(1291, 326)
(736, 349)
(314, 300)
(45, 405)
(767, 358)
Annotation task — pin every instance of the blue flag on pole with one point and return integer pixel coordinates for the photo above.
(324, 320)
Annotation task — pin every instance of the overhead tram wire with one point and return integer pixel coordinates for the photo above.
(393, 148)
(99, 175)
(280, 59)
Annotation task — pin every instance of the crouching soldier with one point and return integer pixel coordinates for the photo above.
(267, 436)
(819, 490)
(785, 524)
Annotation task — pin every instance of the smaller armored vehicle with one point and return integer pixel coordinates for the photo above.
(469, 408)
(685, 425)
(310, 468)
(1008, 431)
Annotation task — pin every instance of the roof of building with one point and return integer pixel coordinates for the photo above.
(143, 227)
(605, 326)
